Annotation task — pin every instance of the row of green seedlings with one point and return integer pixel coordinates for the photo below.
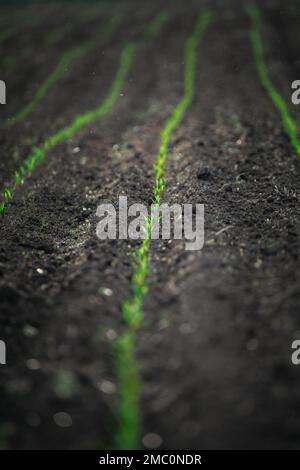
(256, 37)
(128, 434)
(66, 61)
(51, 38)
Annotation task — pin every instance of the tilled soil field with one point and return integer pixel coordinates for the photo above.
(208, 363)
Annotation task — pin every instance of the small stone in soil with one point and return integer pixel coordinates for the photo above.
(62, 419)
(203, 174)
(152, 440)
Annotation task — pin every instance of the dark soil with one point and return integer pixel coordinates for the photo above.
(215, 346)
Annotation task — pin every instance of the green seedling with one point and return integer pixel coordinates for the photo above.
(128, 433)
